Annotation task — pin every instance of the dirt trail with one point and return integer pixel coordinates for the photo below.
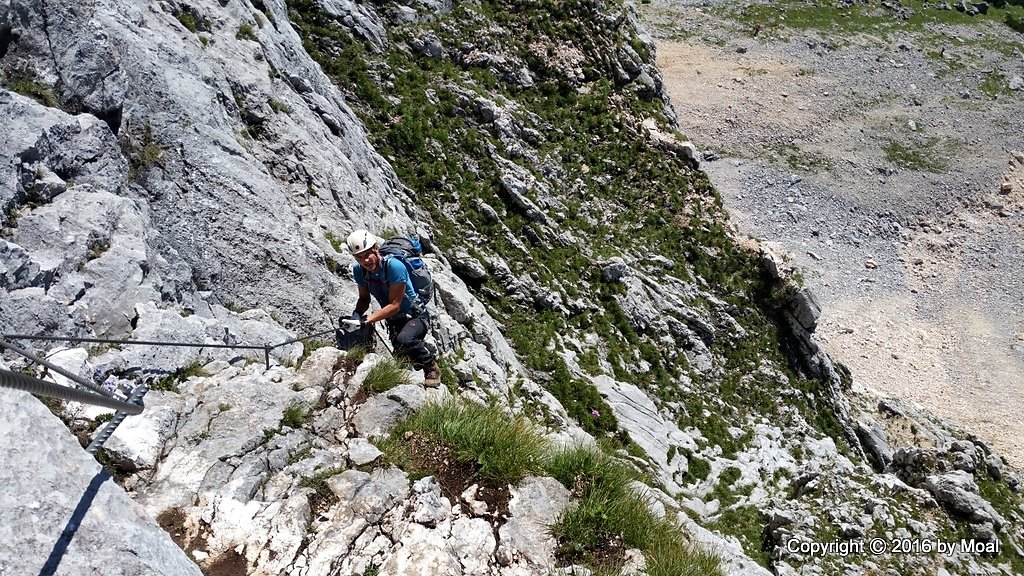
(918, 266)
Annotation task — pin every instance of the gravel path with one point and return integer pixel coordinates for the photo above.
(919, 262)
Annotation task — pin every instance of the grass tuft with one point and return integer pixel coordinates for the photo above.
(669, 555)
(337, 243)
(279, 107)
(188, 21)
(97, 247)
(923, 156)
(146, 154)
(609, 517)
(505, 449)
(170, 382)
(295, 416)
(34, 90)
(246, 32)
(385, 375)
(356, 354)
(322, 497)
(1015, 22)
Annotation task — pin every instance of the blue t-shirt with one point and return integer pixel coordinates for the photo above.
(390, 272)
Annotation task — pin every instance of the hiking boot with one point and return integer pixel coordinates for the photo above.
(432, 376)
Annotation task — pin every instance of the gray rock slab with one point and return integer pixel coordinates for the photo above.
(614, 269)
(874, 440)
(223, 422)
(409, 395)
(535, 505)
(958, 491)
(370, 496)
(59, 510)
(473, 543)
(429, 506)
(422, 553)
(231, 215)
(318, 368)
(138, 442)
(638, 414)
(378, 415)
(361, 451)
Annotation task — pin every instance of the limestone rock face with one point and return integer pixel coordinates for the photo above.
(637, 414)
(958, 491)
(196, 162)
(235, 466)
(62, 513)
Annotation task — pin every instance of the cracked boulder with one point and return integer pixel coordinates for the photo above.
(958, 493)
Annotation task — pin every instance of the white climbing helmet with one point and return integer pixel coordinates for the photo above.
(361, 241)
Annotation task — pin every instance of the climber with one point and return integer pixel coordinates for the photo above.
(405, 315)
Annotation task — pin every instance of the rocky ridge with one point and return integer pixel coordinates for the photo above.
(673, 361)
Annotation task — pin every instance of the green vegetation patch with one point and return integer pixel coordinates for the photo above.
(296, 416)
(608, 517)
(924, 155)
(385, 375)
(34, 90)
(805, 160)
(1014, 22)
(697, 469)
(1009, 505)
(502, 450)
(842, 21)
(337, 243)
(356, 354)
(995, 85)
(279, 107)
(774, 19)
(97, 247)
(246, 32)
(321, 497)
(143, 153)
(188, 21)
(170, 382)
(746, 523)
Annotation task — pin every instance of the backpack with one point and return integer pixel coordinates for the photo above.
(409, 251)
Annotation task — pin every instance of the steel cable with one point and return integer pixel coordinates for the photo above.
(34, 385)
(119, 416)
(50, 365)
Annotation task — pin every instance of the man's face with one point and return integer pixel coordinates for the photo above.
(370, 259)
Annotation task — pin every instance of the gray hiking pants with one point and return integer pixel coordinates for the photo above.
(407, 336)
